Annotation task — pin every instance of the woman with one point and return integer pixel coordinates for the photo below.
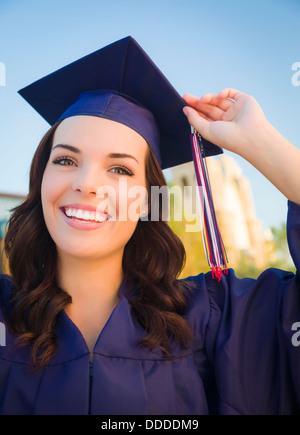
(96, 320)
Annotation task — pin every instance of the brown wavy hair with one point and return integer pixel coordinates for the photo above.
(153, 259)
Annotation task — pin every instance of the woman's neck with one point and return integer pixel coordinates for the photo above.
(87, 280)
(93, 286)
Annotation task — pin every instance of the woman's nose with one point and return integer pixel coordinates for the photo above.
(87, 182)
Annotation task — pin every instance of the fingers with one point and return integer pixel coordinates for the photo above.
(207, 100)
(199, 122)
(191, 99)
(214, 99)
(208, 111)
(211, 107)
(213, 113)
(234, 94)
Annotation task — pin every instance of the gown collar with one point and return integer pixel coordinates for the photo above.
(118, 339)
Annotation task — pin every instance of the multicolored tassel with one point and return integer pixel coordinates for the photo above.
(212, 240)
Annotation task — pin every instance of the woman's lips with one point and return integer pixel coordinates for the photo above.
(82, 218)
(85, 215)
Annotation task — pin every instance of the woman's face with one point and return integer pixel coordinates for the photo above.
(90, 184)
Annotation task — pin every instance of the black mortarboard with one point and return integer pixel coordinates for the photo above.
(120, 82)
(120, 69)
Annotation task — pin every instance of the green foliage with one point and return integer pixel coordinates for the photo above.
(246, 267)
(279, 246)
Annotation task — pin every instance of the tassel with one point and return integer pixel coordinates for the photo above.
(212, 240)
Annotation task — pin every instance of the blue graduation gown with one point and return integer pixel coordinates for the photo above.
(245, 359)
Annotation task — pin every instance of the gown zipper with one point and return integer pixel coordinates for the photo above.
(91, 382)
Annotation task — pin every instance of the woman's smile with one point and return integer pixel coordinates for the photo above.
(82, 188)
(80, 218)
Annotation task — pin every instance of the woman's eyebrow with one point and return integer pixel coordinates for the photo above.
(111, 155)
(67, 147)
(121, 155)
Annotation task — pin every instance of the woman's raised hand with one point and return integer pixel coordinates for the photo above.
(230, 119)
(235, 121)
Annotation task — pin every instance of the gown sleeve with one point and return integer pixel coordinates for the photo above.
(253, 336)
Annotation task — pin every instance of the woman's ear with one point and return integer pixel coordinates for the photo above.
(144, 212)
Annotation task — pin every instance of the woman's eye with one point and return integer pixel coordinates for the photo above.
(64, 161)
(121, 170)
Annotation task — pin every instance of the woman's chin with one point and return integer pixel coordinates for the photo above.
(80, 253)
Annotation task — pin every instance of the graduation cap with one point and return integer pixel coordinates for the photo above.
(120, 82)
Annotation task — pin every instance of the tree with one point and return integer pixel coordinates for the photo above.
(279, 246)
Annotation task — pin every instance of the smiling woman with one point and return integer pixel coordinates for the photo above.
(93, 144)
(94, 304)
(79, 253)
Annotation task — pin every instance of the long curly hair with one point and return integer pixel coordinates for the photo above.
(153, 259)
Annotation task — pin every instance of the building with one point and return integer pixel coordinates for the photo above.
(241, 230)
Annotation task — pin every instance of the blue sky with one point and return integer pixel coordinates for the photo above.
(201, 46)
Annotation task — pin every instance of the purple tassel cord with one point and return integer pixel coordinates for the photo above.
(212, 240)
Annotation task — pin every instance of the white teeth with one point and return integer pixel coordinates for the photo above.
(79, 214)
(99, 218)
(85, 215)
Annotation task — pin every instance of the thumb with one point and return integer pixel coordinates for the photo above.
(197, 121)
